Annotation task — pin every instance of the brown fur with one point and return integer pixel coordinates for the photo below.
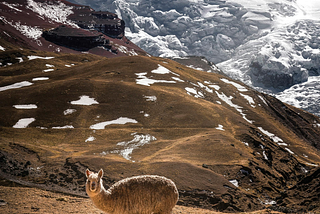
(144, 194)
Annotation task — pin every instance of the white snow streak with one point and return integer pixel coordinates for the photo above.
(270, 135)
(237, 85)
(39, 57)
(16, 85)
(40, 78)
(120, 120)
(26, 106)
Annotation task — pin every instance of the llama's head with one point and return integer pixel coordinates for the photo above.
(94, 182)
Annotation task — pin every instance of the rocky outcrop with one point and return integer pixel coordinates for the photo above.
(103, 21)
(78, 39)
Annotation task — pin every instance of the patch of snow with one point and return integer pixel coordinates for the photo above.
(317, 125)
(195, 68)
(2, 48)
(12, 6)
(304, 170)
(69, 111)
(291, 152)
(177, 79)
(220, 127)
(206, 88)
(120, 120)
(16, 85)
(49, 66)
(20, 59)
(150, 98)
(90, 139)
(216, 87)
(249, 99)
(40, 78)
(27, 106)
(270, 135)
(269, 202)
(28, 31)
(263, 100)
(125, 50)
(237, 85)
(311, 164)
(245, 143)
(40, 127)
(194, 92)
(63, 127)
(143, 80)
(84, 100)
(265, 155)
(40, 57)
(23, 123)
(145, 114)
(48, 70)
(227, 100)
(138, 141)
(234, 182)
(163, 70)
(69, 66)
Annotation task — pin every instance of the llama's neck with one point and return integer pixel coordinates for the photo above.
(102, 200)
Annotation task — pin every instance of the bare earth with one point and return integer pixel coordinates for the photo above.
(33, 200)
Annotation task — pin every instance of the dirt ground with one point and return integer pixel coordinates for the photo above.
(32, 200)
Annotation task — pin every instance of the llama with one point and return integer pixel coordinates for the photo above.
(143, 194)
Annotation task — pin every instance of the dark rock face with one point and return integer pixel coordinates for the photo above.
(275, 75)
(94, 27)
(102, 21)
(74, 38)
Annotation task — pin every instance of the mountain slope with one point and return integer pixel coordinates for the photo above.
(25, 22)
(270, 45)
(226, 146)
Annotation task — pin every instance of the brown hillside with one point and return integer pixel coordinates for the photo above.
(227, 147)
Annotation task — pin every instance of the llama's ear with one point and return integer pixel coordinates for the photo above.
(100, 173)
(88, 172)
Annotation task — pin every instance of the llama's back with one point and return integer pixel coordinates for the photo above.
(144, 195)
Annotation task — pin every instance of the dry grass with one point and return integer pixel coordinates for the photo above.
(184, 126)
(31, 200)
